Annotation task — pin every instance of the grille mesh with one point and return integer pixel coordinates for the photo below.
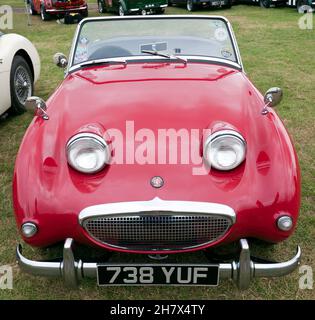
(157, 231)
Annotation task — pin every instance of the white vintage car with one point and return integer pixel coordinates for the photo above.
(19, 70)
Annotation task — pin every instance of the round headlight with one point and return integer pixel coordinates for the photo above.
(225, 150)
(87, 152)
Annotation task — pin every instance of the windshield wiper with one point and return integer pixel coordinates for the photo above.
(165, 55)
(102, 61)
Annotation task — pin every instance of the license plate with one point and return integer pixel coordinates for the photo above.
(178, 275)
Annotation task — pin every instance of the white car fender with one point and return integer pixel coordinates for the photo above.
(10, 45)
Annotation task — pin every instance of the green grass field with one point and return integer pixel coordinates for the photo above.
(275, 52)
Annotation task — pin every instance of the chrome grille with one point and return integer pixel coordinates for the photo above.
(157, 231)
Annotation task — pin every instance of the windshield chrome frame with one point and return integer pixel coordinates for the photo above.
(238, 64)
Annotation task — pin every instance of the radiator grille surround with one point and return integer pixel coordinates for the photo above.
(156, 225)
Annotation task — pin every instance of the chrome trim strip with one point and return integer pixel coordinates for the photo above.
(65, 9)
(241, 271)
(237, 52)
(223, 132)
(87, 135)
(154, 58)
(157, 204)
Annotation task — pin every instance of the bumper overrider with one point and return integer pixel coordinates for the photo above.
(242, 270)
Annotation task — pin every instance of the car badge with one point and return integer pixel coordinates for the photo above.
(157, 182)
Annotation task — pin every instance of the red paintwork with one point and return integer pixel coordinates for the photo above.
(155, 95)
(61, 7)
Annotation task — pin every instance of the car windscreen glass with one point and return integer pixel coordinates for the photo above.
(106, 39)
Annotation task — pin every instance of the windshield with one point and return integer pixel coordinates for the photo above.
(176, 36)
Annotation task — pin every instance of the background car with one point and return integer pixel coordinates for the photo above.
(263, 3)
(57, 8)
(195, 4)
(19, 70)
(125, 7)
(301, 5)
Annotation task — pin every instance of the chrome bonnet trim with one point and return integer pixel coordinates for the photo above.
(157, 204)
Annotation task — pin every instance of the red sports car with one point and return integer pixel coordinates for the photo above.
(156, 143)
(57, 8)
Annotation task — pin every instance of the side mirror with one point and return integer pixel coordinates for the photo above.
(272, 97)
(60, 60)
(37, 106)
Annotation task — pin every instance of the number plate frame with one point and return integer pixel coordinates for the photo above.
(200, 274)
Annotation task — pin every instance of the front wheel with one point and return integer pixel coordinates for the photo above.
(101, 7)
(31, 7)
(121, 11)
(160, 11)
(85, 13)
(44, 15)
(228, 4)
(191, 6)
(303, 6)
(21, 84)
(264, 3)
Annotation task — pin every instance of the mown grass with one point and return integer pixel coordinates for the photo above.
(275, 52)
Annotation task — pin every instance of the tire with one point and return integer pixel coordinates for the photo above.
(101, 7)
(280, 4)
(190, 5)
(121, 11)
(264, 3)
(160, 11)
(67, 19)
(21, 84)
(228, 4)
(302, 6)
(43, 14)
(85, 13)
(31, 9)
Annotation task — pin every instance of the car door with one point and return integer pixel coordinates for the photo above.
(36, 4)
(178, 1)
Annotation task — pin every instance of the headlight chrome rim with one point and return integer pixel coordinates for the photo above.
(285, 223)
(214, 137)
(29, 229)
(85, 137)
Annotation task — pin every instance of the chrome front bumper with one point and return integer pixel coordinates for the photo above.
(66, 10)
(241, 271)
